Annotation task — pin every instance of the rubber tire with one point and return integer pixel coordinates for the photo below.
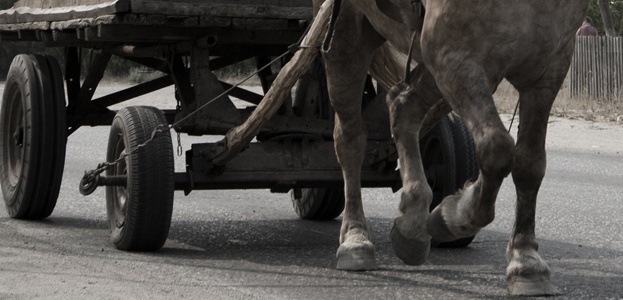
(33, 94)
(139, 214)
(449, 148)
(319, 203)
(316, 203)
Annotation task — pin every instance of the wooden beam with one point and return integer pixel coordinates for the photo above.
(277, 9)
(95, 75)
(142, 34)
(239, 137)
(133, 92)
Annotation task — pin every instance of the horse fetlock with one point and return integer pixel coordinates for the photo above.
(354, 230)
(356, 256)
(447, 222)
(415, 199)
(528, 275)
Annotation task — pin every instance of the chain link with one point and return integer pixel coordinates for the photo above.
(180, 150)
(87, 183)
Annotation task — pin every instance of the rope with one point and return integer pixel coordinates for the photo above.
(409, 57)
(513, 118)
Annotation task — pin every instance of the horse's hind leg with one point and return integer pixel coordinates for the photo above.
(527, 273)
(408, 106)
(347, 62)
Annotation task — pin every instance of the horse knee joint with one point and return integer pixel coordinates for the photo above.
(496, 155)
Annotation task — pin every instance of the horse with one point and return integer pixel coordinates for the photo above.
(463, 50)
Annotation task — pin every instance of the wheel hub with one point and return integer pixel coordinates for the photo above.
(121, 193)
(14, 140)
(18, 136)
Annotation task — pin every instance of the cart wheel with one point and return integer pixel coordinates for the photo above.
(312, 101)
(33, 136)
(449, 161)
(318, 203)
(139, 214)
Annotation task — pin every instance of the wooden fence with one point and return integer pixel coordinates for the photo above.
(597, 68)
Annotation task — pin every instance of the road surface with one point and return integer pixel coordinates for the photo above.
(249, 244)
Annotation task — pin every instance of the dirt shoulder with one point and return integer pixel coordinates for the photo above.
(580, 135)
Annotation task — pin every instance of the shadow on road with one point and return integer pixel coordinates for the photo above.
(284, 247)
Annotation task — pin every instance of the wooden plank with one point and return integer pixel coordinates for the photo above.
(59, 3)
(27, 11)
(25, 26)
(278, 9)
(219, 11)
(144, 19)
(83, 23)
(264, 24)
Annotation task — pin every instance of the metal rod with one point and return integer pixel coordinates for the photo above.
(115, 180)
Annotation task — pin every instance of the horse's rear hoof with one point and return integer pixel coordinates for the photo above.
(446, 223)
(356, 257)
(534, 285)
(438, 228)
(412, 252)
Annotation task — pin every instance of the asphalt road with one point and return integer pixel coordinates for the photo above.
(249, 244)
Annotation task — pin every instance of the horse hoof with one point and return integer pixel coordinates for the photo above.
(532, 285)
(356, 257)
(437, 227)
(447, 224)
(412, 252)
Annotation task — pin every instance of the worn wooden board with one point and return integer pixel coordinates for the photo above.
(31, 11)
(28, 11)
(59, 3)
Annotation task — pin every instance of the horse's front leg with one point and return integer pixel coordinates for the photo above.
(356, 251)
(346, 63)
(527, 273)
(408, 105)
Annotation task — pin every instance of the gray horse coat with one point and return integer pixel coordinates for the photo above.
(463, 50)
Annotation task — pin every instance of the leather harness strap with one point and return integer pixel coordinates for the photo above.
(326, 44)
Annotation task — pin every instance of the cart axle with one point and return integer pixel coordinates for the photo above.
(88, 184)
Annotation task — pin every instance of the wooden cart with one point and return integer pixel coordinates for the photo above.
(44, 102)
